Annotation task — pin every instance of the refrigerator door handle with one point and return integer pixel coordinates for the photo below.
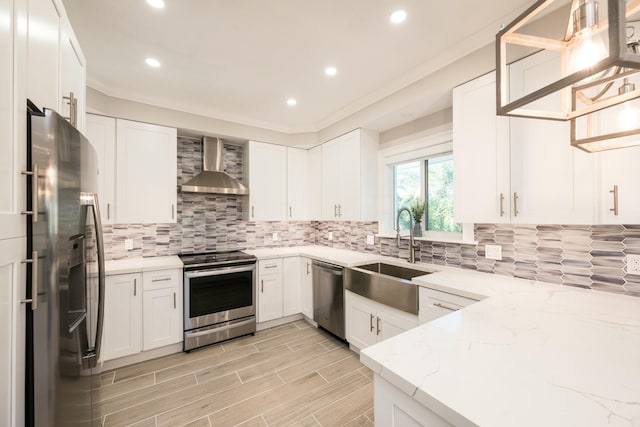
(91, 200)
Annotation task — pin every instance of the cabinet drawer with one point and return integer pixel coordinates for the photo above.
(161, 279)
(434, 304)
(270, 266)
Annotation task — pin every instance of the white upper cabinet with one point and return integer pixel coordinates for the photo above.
(101, 132)
(297, 184)
(43, 54)
(619, 178)
(265, 168)
(349, 177)
(514, 169)
(481, 154)
(146, 173)
(315, 182)
(12, 124)
(72, 76)
(551, 181)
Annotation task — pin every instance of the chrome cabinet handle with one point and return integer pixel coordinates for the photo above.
(135, 287)
(501, 204)
(73, 109)
(515, 204)
(34, 281)
(173, 211)
(270, 266)
(253, 212)
(290, 214)
(163, 279)
(308, 263)
(371, 323)
(378, 330)
(437, 304)
(34, 193)
(335, 211)
(174, 300)
(614, 191)
(108, 211)
(262, 286)
(339, 210)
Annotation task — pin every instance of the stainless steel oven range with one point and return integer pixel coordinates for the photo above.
(219, 297)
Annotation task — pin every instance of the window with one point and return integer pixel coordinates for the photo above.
(429, 179)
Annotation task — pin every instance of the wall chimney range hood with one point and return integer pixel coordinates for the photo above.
(213, 179)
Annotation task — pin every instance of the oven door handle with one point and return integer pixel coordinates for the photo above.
(218, 271)
(230, 325)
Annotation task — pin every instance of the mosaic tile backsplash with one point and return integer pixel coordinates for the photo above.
(584, 256)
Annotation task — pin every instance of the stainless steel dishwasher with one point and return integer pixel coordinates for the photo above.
(328, 297)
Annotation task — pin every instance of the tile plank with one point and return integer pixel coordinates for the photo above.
(340, 368)
(347, 408)
(319, 362)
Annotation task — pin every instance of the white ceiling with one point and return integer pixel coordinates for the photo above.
(240, 60)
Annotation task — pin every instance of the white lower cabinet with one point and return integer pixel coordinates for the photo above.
(291, 297)
(369, 322)
(122, 333)
(161, 308)
(143, 311)
(306, 288)
(12, 331)
(270, 290)
(279, 288)
(392, 407)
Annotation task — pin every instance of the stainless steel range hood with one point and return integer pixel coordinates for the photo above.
(212, 179)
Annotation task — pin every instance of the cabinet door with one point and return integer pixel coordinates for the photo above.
(72, 75)
(12, 331)
(331, 192)
(620, 168)
(12, 127)
(161, 318)
(292, 300)
(267, 182)
(270, 297)
(146, 173)
(101, 132)
(392, 322)
(360, 321)
(42, 59)
(481, 154)
(122, 316)
(315, 183)
(307, 288)
(348, 188)
(551, 182)
(297, 184)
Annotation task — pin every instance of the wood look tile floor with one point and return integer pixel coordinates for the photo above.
(291, 375)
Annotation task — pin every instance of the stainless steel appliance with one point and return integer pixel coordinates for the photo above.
(328, 297)
(65, 275)
(219, 297)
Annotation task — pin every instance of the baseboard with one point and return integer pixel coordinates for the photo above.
(279, 322)
(141, 357)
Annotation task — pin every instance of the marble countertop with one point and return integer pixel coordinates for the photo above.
(138, 265)
(531, 354)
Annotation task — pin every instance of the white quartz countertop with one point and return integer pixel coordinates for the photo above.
(531, 354)
(343, 257)
(138, 265)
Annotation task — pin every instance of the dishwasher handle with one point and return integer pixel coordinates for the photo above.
(325, 265)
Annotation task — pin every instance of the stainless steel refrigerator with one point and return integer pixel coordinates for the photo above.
(65, 274)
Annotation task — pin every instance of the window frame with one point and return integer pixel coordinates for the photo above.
(419, 149)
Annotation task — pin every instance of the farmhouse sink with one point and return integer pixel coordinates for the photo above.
(385, 283)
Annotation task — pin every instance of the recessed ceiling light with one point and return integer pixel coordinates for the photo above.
(398, 16)
(330, 71)
(152, 62)
(158, 4)
(291, 102)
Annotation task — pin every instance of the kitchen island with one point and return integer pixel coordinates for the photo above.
(530, 354)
